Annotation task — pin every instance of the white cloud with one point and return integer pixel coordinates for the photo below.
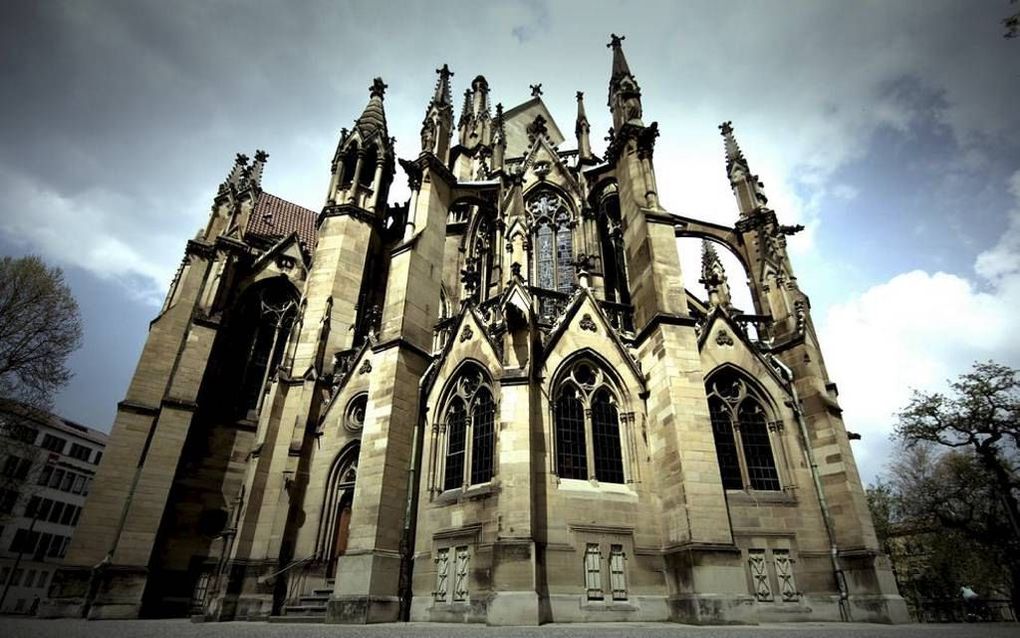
(918, 330)
(90, 232)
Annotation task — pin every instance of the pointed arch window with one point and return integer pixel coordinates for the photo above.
(468, 437)
(587, 424)
(740, 427)
(553, 259)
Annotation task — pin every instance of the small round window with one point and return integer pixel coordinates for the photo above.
(354, 418)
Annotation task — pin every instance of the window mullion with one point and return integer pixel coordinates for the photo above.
(589, 443)
(738, 442)
(469, 436)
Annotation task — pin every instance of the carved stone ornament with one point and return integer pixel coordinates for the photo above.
(587, 323)
(467, 334)
(723, 338)
(365, 367)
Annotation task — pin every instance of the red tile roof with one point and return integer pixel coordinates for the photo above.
(275, 218)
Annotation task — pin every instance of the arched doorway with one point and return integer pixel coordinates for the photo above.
(337, 508)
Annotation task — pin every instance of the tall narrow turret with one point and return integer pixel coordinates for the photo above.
(437, 126)
(582, 130)
(746, 187)
(713, 276)
(624, 92)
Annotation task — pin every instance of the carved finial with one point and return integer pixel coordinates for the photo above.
(261, 156)
(615, 40)
(536, 90)
(442, 93)
(713, 276)
(580, 95)
(732, 149)
(378, 88)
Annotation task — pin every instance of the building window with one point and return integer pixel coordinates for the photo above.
(587, 425)
(617, 572)
(16, 467)
(784, 574)
(554, 250)
(45, 474)
(53, 443)
(99, 457)
(442, 574)
(759, 575)
(725, 446)
(8, 498)
(470, 431)
(80, 452)
(460, 583)
(43, 576)
(593, 571)
(354, 418)
(741, 432)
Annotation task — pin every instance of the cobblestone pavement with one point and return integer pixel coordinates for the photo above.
(33, 628)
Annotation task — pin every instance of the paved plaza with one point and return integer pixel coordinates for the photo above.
(32, 628)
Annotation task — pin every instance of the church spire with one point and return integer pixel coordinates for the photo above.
(254, 172)
(498, 139)
(475, 119)
(437, 126)
(624, 92)
(236, 173)
(582, 130)
(373, 119)
(713, 277)
(746, 187)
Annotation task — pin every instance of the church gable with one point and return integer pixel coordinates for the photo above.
(469, 340)
(519, 118)
(584, 326)
(724, 342)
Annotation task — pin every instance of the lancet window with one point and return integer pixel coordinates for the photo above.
(553, 257)
(587, 422)
(740, 426)
(469, 432)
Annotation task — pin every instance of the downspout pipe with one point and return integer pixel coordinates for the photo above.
(830, 529)
(411, 506)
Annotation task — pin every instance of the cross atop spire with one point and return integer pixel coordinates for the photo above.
(536, 89)
(378, 88)
(620, 66)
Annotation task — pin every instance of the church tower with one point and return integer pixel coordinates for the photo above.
(495, 402)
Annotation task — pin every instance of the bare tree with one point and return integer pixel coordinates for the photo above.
(1012, 24)
(39, 328)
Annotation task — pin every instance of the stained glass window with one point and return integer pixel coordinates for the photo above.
(455, 449)
(544, 257)
(572, 457)
(483, 437)
(605, 427)
(564, 260)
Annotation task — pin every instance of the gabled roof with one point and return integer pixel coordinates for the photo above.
(517, 120)
(274, 218)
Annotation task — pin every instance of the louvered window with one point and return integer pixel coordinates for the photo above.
(617, 572)
(593, 571)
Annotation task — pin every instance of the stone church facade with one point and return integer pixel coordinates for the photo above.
(495, 403)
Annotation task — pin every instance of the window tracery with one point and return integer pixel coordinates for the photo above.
(741, 432)
(587, 423)
(470, 435)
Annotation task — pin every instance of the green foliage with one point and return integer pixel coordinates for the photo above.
(948, 515)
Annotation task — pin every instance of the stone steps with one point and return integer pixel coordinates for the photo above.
(311, 608)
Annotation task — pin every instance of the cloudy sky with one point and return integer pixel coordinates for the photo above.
(890, 129)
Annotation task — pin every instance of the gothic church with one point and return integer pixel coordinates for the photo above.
(494, 403)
